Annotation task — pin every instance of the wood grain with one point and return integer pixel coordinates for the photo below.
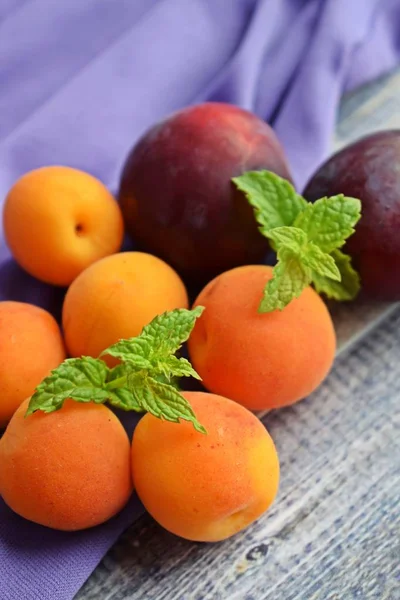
(334, 530)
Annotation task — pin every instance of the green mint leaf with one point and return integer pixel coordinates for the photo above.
(172, 366)
(330, 221)
(173, 381)
(290, 237)
(118, 393)
(171, 329)
(123, 399)
(115, 374)
(274, 200)
(163, 336)
(320, 263)
(165, 402)
(290, 277)
(349, 285)
(137, 350)
(81, 379)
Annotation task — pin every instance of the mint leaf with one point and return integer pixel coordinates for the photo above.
(290, 277)
(344, 290)
(118, 393)
(136, 350)
(81, 379)
(123, 399)
(330, 221)
(275, 201)
(165, 402)
(171, 329)
(298, 260)
(173, 381)
(291, 238)
(115, 373)
(163, 336)
(320, 263)
(172, 366)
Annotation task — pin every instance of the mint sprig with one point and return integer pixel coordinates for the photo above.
(144, 381)
(307, 238)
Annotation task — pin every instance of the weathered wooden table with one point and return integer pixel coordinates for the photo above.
(334, 530)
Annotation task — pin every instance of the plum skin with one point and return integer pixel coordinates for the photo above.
(369, 169)
(176, 192)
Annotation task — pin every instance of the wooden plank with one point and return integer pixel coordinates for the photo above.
(334, 530)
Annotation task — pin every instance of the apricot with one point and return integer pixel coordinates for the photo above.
(30, 347)
(176, 191)
(67, 470)
(205, 487)
(115, 298)
(58, 221)
(265, 360)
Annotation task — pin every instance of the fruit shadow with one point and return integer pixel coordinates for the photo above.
(195, 287)
(17, 285)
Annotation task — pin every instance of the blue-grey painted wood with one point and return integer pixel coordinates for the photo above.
(334, 531)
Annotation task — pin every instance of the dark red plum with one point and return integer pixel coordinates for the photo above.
(176, 193)
(369, 169)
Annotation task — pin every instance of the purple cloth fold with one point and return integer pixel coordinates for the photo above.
(80, 81)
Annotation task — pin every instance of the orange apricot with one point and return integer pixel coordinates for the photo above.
(205, 487)
(67, 470)
(265, 360)
(30, 347)
(58, 221)
(115, 298)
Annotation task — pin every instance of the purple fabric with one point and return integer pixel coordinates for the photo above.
(81, 80)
